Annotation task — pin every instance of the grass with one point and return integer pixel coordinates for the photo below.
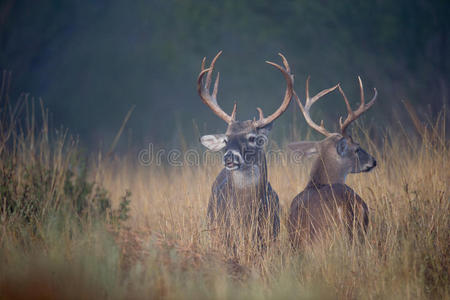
(114, 229)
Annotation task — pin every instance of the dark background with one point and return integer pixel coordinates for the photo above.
(92, 60)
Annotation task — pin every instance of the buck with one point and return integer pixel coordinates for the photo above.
(327, 200)
(242, 197)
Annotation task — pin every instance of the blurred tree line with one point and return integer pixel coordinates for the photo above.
(92, 60)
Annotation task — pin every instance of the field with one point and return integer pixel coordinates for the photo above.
(77, 225)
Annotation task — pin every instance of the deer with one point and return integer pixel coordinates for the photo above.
(241, 195)
(326, 199)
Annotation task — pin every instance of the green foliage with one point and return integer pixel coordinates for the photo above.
(124, 207)
(31, 198)
(85, 197)
(42, 174)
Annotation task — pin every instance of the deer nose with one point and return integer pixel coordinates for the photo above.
(232, 159)
(228, 157)
(369, 165)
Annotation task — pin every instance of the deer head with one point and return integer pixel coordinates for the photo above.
(338, 154)
(243, 141)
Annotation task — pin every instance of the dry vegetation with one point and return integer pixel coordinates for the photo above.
(60, 238)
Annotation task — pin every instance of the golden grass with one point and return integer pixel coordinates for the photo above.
(165, 250)
(407, 248)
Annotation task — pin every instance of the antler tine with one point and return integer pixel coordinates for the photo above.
(363, 107)
(322, 93)
(209, 75)
(263, 121)
(285, 63)
(308, 103)
(311, 101)
(233, 113)
(203, 64)
(261, 114)
(207, 98)
(361, 91)
(216, 88)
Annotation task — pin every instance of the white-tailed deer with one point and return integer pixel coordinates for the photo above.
(242, 198)
(327, 200)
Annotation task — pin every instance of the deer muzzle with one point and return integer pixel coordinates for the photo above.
(232, 160)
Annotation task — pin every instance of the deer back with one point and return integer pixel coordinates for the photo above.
(321, 209)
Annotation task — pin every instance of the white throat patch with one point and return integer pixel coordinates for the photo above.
(243, 179)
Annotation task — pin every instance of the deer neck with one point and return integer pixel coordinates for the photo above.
(326, 172)
(251, 178)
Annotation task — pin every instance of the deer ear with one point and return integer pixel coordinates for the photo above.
(307, 149)
(266, 129)
(342, 146)
(214, 142)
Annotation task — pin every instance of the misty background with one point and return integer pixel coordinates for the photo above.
(91, 61)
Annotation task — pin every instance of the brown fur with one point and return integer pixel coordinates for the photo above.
(327, 201)
(320, 208)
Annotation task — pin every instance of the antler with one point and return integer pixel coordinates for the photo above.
(309, 102)
(263, 121)
(207, 98)
(353, 115)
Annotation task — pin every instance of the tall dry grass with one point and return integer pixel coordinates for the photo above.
(60, 238)
(407, 249)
